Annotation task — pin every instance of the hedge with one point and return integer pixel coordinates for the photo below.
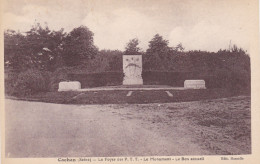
(98, 79)
(33, 81)
(230, 80)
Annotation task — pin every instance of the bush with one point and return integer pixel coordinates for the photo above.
(57, 76)
(32, 81)
(98, 79)
(10, 80)
(86, 78)
(229, 80)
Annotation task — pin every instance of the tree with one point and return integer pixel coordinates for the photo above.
(37, 48)
(79, 46)
(158, 54)
(132, 47)
(14, 57)
(158, 46)
(179, 47)
(45, 46)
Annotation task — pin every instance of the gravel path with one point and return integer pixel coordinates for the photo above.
(36, 129)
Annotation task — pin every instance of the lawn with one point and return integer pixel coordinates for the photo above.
(137, 97)
(222, 125)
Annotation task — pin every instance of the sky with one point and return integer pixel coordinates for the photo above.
(198, 24)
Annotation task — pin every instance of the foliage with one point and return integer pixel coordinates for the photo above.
(14, 50)
(79, 45)
(32, 81)
(39, 48)
(43, 49)
(105, 60)
(157, 52)
(179, 47)
(10, 80)
(132, 47)
(98, 79)
(60, 74)
(112, 59)
(158, 46)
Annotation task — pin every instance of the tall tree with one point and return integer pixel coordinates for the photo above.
(37, 48)
(158, 46)
(158, 53)
(79, 46)
(14, 53)
(132, 47)
(179, 47)
(45, 46)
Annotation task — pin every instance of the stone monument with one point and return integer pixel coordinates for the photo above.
(132, 68)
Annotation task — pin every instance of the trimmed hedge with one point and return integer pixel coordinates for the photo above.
(165, 78)
(33, 81)
(230, 80)
(98, 79)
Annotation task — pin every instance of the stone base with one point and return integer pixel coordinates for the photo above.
(133, 81)
(69, 86)
(194, 84)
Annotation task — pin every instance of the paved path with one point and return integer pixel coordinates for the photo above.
(133, 88)
(35, 129)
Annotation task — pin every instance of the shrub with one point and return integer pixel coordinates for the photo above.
(230, 80)
(175, 79)
(98, 79)
(32, 81)
(57, 76)
(10, 80)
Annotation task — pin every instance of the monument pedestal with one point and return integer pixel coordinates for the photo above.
(133, 81)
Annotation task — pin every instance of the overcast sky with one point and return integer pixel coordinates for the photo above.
(197, 24)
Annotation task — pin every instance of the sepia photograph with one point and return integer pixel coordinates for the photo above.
(128, 78)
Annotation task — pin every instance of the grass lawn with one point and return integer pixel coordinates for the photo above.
(223, 125)
(137, 97)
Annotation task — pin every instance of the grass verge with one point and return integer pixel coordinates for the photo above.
(138, 97)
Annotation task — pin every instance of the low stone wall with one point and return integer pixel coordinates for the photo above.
(194, 84)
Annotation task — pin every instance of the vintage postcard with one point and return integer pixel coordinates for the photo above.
(130, 81)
